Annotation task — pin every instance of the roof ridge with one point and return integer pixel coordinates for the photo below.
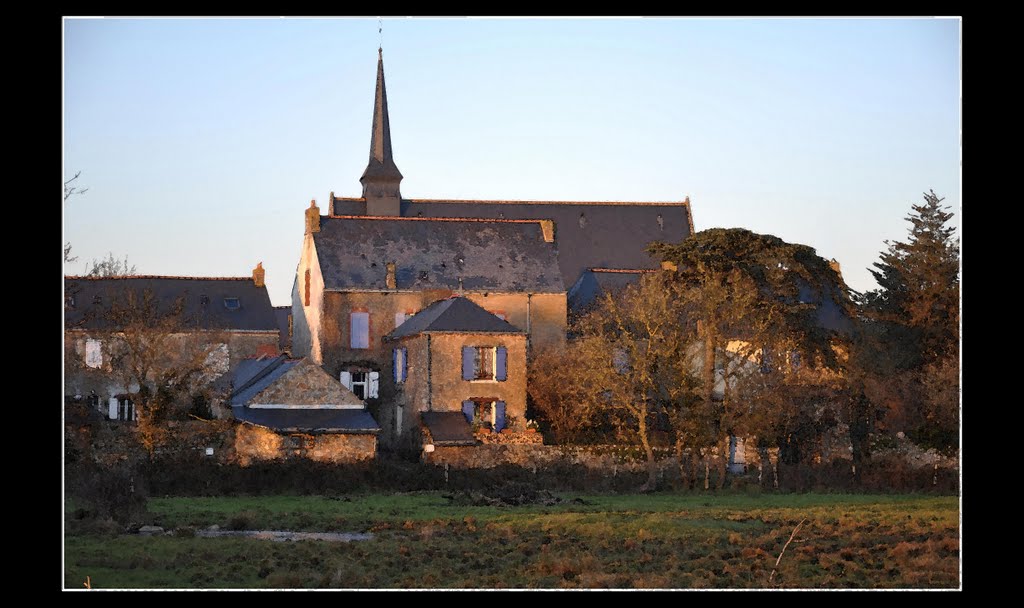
(437, 219)
(510, 201)
(121, 277)
(624, 270)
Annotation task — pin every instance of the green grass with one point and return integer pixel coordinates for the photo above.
(621, 541)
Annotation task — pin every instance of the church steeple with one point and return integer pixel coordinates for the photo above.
(382, 177)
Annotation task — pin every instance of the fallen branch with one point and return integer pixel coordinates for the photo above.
(784, 547)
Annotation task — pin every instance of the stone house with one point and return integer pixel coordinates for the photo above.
(460, 363)
(293, 408)
(221, 320)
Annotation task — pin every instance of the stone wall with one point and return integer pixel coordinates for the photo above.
(253, 443)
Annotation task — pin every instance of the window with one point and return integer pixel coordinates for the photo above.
(306, 299)
(365, 384)
(486, 413)
(204, 301)
(298, 442)
(484, 363)
(359, 329)
(232, 303)
(400, 361)
(69, 301)
(93, 353)
(121, 408)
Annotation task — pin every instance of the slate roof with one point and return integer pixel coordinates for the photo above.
(309, 420)
(253, 375)
(453, 315)
(594, 282)
(434, 254)
(448, 428)
(605, 234)
(92, 298)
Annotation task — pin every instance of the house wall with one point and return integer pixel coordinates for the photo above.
(547, 313)
(228, 349)
(253, 443)
(250, 344)
(437, 384)
(306, 320)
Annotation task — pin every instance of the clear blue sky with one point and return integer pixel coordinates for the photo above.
(202, 141)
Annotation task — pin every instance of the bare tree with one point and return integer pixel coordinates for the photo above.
(111, 267)
(69, 190)
(161, 358)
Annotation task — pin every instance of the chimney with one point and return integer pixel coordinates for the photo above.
(834, 265)
(667, 265)
(390, 280)
(257, 275)
(330, 204)
(312, 218)
(548, 228)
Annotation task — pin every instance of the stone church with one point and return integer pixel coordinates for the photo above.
(371, 262)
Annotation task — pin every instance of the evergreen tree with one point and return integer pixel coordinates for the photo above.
(909, 353)
(920, 283)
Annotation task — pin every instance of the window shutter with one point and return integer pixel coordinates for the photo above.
(359, 330)
(468, 366)
(405, 364)
(499, 416)
(467, 410)
(112, 411)
(373, 385)
(346, 379)
(395, 370)
(501, 364)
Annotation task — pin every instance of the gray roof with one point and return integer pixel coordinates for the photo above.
(487, 255)
(254, 375)
(203, 300)
(453, 315)
(448, 428)
(309, 420)
(594, 282)
(588, 234)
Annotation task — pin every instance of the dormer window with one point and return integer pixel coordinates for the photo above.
(204, 301)
(232, 303)
(96, 299)
(69, 301)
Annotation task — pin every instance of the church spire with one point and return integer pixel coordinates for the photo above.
(382, 177)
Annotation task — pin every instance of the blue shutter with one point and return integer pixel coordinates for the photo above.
(467, 410)
(468, 367)
(499, 416)
(405, 364)
(502, 363)
(394, 366)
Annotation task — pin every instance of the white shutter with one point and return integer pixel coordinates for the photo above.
(346, 379)
(371, 390)
(112, 413)
(93, 353)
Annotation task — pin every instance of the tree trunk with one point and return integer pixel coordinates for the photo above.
(723, 461)
(681, 462)
(652, 470)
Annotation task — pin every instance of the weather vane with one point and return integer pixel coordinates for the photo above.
(380, 33)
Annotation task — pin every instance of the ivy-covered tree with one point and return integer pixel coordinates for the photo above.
(909, 352)
(758, 302)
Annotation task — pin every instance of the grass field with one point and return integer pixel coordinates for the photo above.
(622, 541)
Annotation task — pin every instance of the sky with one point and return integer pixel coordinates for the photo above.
(202, 141)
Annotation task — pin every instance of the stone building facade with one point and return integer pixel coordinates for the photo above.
(219, 320)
